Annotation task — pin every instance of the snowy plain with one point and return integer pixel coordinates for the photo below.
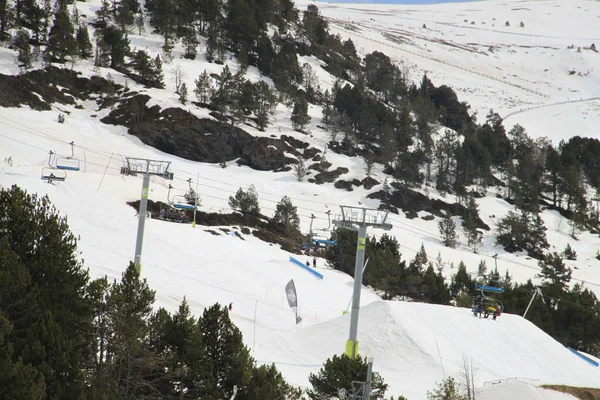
(413, 345)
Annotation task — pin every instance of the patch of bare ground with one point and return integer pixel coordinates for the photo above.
(581, 393)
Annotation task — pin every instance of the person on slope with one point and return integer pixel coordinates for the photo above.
(497, 312)
(478, 309)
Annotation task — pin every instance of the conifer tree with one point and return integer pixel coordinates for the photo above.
(300, 117)
(336, 376)
(448, 232)
(263, 104)
(61, 42)
(6, 18)
(245, 201)
(21, 41)
(129, 307)
(84, 46)
(230, 360)
(471, 218)
(286, 216)
(43, 284)
(183, 93)
(203, 89)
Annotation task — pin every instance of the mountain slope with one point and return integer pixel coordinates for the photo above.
(180, 261)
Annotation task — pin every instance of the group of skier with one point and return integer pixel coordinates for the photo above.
(486, 311)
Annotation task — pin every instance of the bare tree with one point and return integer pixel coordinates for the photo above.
(468, 375)
(178, 78)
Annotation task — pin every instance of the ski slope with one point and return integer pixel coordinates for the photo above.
(414, 345)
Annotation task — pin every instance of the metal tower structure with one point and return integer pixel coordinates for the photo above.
(359, 219)
(146, 167)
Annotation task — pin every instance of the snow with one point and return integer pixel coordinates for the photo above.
(413, 345)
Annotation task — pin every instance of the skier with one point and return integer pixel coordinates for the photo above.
(314, 262)
(307, 263)
(230, 307)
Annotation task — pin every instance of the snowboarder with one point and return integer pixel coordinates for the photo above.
(307, 263)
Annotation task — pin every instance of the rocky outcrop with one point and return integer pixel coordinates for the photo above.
(40, 88)
(176, 131)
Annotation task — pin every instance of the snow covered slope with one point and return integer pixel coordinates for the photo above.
(469, 47)
(420, 344)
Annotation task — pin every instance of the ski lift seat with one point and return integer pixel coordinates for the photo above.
(490, 288)
(325, 241)
(52, 174)
(69, 164)
(182, 206)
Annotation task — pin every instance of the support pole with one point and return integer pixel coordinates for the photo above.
(141, 223)
(356, 218)
(352, 344)
(531, 301)
(368, 382)
(134, 166)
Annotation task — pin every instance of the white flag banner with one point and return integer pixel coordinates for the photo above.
(292, 298)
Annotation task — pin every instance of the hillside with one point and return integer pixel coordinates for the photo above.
(414, 345)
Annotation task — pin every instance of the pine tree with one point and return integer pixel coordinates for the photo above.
(448, 389)
(129, 306)
(471, 219)
(300, 117)
(6, 19)
(61, 42)
(21, 41)
(203, 89)
(245, 202)
(43, 284)
(183, 93)
(230, 360)
(300, 169)
(336, 376)
(286, 216)
(448, 232)
(158, 80)
(84, 46)
(187, 357)
(115, 45)
(264, 102)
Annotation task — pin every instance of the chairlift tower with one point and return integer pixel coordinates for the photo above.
(132, 167)
(359, 219)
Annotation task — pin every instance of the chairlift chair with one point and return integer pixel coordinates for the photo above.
(179, 202)
(50, 173)
(485, 299)
(69, 163)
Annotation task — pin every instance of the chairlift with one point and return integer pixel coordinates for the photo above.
(179, 201)
(69, 163)
(50, 173)
(317, 240)
(485, 300)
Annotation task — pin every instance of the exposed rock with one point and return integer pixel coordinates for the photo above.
(41, 87)
(342, 184)
(178, 132)
(370, 182)
(330, 176)
(411, 202)
(295, 143)
(312, 153)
